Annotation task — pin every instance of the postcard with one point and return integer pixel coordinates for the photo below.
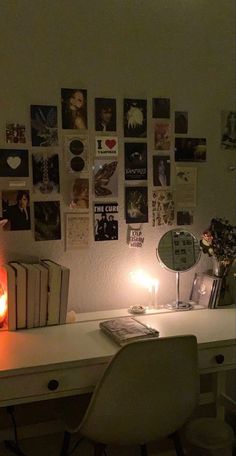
(15, 133)
(163, 208)
(228, 129)
(162, 134)
(79, 199)
(74, 109)
(186, 186)
(45, 166)
(76, 153)
(47, 220)
(161, 108)
(181, 122)
(106, 146)
(105, 178)
(184, 216)
(135, 118)
(135, 161)
(136, 204)
(16, 209)
(190, 149)
(106, 221)
(77, 231)
(14, 163)
(161, 170)
(44, 129)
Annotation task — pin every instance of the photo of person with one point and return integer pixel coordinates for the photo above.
(105, 222)
(44, 131)
(47, 220)
(105, 114)
(161, 170)
(74, 109)
(181, 122)
(228, 126)
(16, 209)
(161, 108)
(190, 149)
(45, 166)
(80, 194)
(135, 118)
(136, 204)
(14, 163)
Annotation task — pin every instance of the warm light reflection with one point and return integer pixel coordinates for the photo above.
(3, 305)
(141, 278)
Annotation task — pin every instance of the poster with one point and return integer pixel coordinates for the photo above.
(228, 129)
(76, 153)
(74, 109)
(106, 222)
(14, 163)
(162, 134)
(16, 209)
(161, 170)
(47, 220)
(190, 149)
(15, 133)
(106, 146)
(135, 237)
(161, 108)
(79, 198)
(105, 114)
(135, 118)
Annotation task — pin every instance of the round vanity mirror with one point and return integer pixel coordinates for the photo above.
(178, 251)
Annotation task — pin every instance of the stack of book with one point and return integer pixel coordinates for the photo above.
(206, 290)
(37, 293)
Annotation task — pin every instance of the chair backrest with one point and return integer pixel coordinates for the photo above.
(148, 391)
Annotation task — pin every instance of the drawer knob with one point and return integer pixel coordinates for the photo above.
(219, 359)
(53, 385)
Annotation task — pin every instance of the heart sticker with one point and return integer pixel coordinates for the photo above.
(13, 162)
(110, 143)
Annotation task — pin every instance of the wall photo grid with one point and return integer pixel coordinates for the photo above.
(31, 192)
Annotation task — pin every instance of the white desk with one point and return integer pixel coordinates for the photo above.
(76, 354)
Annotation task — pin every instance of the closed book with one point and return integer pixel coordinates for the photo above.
(65, 278)
(8, 282)
(54, 292)
(127, 329)
(20, 294)
(32, 295)
(43, 293)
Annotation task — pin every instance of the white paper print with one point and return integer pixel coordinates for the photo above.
(135, 237)
(162, 208)
(186, 186)
(77, 231)
(106, 146)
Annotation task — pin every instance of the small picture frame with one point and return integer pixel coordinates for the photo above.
(205, 290)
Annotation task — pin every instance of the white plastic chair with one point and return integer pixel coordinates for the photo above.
(147, 392)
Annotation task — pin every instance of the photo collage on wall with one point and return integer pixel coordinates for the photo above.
(32, 191)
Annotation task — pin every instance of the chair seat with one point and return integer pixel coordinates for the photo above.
(209, 434)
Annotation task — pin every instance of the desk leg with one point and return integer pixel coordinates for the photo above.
(219, 388)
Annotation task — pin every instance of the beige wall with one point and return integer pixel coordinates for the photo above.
(182, 49)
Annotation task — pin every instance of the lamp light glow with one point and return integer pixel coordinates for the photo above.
(3, 304)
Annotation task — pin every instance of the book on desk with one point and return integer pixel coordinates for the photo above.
(127, 329)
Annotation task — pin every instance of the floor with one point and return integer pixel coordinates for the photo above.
(50, 446)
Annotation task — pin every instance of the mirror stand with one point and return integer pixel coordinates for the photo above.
(179, 305)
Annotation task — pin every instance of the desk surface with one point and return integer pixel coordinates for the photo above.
(84, 344)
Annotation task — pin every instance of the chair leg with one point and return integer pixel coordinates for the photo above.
(65, 444)
(177, 444)
(99, 449)
(143, 450)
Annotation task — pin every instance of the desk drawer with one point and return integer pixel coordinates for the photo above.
(43, 385)
(218, 357)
